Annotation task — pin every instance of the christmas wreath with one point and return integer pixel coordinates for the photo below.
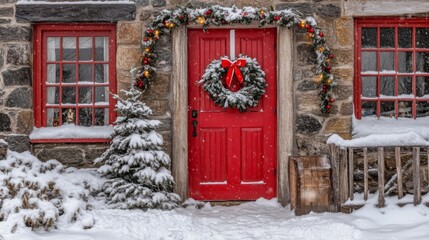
(248, 73)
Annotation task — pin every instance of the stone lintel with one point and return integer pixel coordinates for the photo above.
(69, 12)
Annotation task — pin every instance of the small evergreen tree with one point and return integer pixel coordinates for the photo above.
(135, 164)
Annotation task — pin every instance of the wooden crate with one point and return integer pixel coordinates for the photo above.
(310, 184)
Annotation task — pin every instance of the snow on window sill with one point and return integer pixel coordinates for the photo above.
(373, 132)
(71, 133)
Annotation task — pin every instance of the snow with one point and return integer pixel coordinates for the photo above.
(71, 131)
(373, 132)
(262, 219)
(3, 142)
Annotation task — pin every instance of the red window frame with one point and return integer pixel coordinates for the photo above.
(395, 23)
(41, 32)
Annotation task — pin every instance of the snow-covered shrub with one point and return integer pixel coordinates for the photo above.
(41, 195)
(136, 165)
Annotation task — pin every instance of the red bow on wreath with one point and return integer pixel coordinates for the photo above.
(233, 68)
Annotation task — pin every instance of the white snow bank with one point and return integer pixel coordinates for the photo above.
(3, 142)
(21, 2)
(71, 131)
(260, 220)
(373, 132)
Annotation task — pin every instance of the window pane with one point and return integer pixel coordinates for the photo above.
(101, 95)
(405, 62)
(69, 48)
(387, 37)
(404, 37)
(85, 94)
(405, 109)
(422, 62)
(422, 109)
(369, 37)
(85, 48)
(52, 95)
(422, 37)
(405, 86)
(387, 109)
(52, 117)
(369, 109)
(101, 116)
(101, 73)
(422, 86)
(387, 86)
(53, 73)
(369, 61)
(68, 115)
(101, 49)
(369, 86)
(69, 95)
(85, 73)
(85, 117)
(53, 51)
(69, 73)
(387, 61)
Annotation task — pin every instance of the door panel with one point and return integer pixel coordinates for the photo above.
(232, 155)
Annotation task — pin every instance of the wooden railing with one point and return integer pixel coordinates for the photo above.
(342, 163)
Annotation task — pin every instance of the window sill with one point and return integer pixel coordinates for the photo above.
(71, 134)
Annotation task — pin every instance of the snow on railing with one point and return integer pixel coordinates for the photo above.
(344, 153)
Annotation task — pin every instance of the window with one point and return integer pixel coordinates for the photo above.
(392, 67)
(74, 71)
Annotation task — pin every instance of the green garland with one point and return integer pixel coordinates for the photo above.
(253, 89)
(216, 15)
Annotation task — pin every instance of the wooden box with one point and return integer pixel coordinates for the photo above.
(310, 184)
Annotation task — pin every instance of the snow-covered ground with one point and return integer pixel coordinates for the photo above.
(263, 219)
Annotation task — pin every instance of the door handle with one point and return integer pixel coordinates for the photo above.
(194, 123)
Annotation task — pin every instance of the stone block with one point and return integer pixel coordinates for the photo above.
(18, 143)
(253, 3)
(3, 150)
(145, 15)
(129, 33)
(159, 106)
(307, 124)
(328, 10)
(339, 125)
(306, 55)
(308, 101)
(18, 55)
(15, 33)
(67, 155)
(343, 75)
(344, 31)
(1, 58)
(6, 11)
(343, 92)
(164, 51)
(94, 151)
(305, 8)
(307, 85)
(142, 2)
(5, 21)
(311, 145)
(343, 57)
(20, 98)
(15, 77)
(346, 108)
(127, 57)
(5, 123)
(159, 3)
(159, 87)
(24, 122)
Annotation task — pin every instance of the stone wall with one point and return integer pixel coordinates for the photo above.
(16, 115)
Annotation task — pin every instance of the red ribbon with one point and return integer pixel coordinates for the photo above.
(233, 68)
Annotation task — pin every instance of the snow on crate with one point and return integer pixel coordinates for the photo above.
(71, 131)
(43, 195)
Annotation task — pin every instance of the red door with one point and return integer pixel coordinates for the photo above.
(233, 155)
